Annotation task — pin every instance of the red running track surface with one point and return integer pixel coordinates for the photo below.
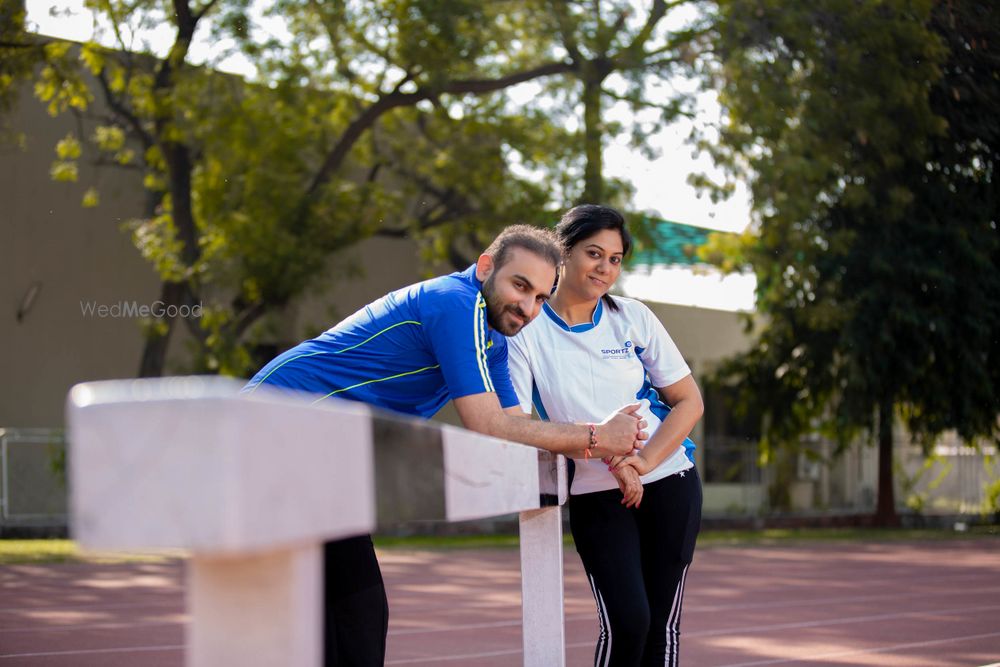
(928, 604)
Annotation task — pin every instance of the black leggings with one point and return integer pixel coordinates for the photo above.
(636, 561)
(356, 612)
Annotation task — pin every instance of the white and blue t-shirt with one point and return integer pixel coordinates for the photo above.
(583, 373)
(411, 351)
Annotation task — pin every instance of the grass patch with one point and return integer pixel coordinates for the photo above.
(37, 551)
(716, 538)
(21, 552)
(14, 552)
(796, 536)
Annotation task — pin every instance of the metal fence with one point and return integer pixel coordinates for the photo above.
(731, 460)
(952, 480)
(32, 476)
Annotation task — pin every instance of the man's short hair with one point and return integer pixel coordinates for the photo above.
(542, 242)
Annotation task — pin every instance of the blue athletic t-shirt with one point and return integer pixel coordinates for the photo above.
(411, 351)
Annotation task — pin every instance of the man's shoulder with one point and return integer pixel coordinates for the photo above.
(454, 290)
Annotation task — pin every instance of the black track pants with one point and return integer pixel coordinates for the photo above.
(636, 561)
(356, 612)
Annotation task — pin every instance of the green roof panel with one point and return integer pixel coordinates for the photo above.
(672, 243)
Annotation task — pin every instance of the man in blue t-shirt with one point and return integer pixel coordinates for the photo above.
(412, 351)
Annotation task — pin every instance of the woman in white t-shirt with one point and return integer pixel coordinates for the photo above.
(634, 519)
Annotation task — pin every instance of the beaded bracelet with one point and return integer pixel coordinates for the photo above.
(592, 443)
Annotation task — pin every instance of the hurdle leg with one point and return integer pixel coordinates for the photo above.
(256, 610)
(543, 626)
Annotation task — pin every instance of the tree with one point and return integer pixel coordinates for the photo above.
(256, 184)
(620, 54)
(367, 108)
(869, 134)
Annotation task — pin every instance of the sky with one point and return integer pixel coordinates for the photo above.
(660, 185)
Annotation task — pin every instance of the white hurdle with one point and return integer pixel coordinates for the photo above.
(251, 486)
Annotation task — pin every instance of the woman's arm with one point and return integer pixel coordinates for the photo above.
(686, 408)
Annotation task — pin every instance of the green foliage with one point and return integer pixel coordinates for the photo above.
(55, 452)
(58, 83)
(18, 55)
(377, 117)
(68, 148)
(369, 109)
(991, 490)
(869, 135)
(91, 198)
(64, 171)
(917, 501)
(156, 240)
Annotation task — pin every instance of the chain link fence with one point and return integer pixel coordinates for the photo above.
(33, 477)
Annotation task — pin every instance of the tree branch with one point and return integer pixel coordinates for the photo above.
(643, 104)
(247, 317)
(656, 12)
(21, 45)
(123, 112)
(204, 10)
(332, 27)
(558, 8)
(338, 153)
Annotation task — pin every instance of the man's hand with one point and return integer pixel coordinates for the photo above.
(630, 485)
(621, 433)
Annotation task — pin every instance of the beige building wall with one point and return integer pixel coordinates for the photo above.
(57, 254)
(704, 337)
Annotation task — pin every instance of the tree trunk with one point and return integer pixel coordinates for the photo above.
(593, 175)
(154, 350)
(885, 510)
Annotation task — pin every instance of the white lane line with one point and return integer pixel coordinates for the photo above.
(96, 607)
(710, 633)
(93, 626)
(480, 626)
(881, 649)
(812, 602)
(732, 631)
(847, 620)
(130, 649)
(435, 659)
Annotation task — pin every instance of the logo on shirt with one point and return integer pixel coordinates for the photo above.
(623, 352)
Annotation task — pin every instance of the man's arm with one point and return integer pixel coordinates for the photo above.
(620, 434)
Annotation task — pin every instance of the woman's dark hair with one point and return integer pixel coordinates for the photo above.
(581, 222)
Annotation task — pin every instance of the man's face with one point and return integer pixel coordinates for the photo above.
(515, 292)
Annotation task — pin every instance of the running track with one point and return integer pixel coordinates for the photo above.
(907, 604)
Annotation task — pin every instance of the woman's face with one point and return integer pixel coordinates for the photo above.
(593, 264)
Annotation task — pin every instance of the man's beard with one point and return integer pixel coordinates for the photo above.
(495, 310)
